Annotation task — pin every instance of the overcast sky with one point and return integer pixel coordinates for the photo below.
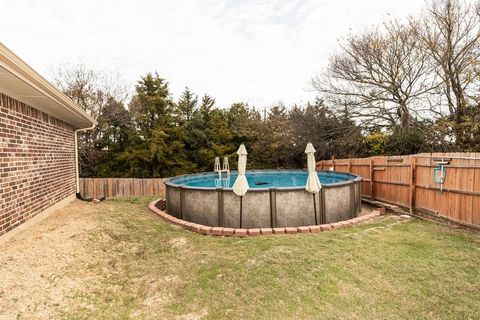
(260, 52)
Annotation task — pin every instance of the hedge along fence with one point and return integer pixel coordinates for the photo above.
(120, 187)
(408, 181)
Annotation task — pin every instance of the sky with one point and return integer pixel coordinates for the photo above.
(259, 52)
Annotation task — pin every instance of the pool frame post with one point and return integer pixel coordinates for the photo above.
(273, 207)
(359, 196)
(182, 203)
(353, 210)
(167, 199)
(221, 207)
(323, 216)
(241, 211)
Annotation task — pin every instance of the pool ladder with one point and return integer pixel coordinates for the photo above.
(225, 168)
(222, 182)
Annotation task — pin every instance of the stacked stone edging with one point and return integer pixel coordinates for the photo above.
(158, 207)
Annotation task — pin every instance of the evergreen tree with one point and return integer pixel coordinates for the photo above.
(187, 105)
(158, 145)
(210, 133)
(116, 129)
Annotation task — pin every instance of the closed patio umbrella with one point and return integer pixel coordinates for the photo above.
(240, 186)
(313, 183)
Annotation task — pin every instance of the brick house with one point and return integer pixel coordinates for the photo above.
(38, 156)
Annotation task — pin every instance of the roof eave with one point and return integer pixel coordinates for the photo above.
(21, 70)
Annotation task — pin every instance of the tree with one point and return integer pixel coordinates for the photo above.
(157, 149)
(91, 90)
(330, 134)
(151, 107)
(451, 37)
(381, 78)
(116, 128)
(274, 138)
(187, 105)
(246, 126)
(209, 134)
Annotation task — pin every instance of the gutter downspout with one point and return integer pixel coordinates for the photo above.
(77, 169)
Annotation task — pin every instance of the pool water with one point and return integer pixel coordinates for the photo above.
(259, 179)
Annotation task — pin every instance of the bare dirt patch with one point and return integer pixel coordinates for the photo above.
(35, 264)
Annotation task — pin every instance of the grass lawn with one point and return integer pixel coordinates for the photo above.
(130, 264)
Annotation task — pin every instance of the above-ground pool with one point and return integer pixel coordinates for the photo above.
(276, 198)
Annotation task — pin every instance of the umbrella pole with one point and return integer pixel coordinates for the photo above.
(241, 211)
(315, 209)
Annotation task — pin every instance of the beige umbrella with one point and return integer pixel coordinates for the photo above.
(313, 183)
(240, 186)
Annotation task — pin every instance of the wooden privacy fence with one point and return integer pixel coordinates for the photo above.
(408, 181)
(120, 187)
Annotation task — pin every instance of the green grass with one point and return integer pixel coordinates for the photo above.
(389, 269)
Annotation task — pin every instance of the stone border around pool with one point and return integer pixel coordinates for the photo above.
(158, 207)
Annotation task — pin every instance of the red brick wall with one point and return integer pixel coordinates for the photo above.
(37, 162)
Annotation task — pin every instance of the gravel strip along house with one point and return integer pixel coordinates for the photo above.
(38, 154)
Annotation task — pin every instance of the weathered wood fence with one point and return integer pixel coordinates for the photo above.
(408, 181)
(120, 187)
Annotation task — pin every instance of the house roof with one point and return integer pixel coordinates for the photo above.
(19, 81)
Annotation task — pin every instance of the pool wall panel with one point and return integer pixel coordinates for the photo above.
(173, 201)
(337, 203)
(295, 208)
(232, 209)
(201, 207)
(256, 210)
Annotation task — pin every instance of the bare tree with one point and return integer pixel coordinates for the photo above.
(450, 34)
(90, 89)
(94, 92)
(380, 77)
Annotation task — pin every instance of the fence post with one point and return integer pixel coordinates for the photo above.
(372, 196)
(333, 163)
(413, 169)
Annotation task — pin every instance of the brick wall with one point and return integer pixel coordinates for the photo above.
(37, 162)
